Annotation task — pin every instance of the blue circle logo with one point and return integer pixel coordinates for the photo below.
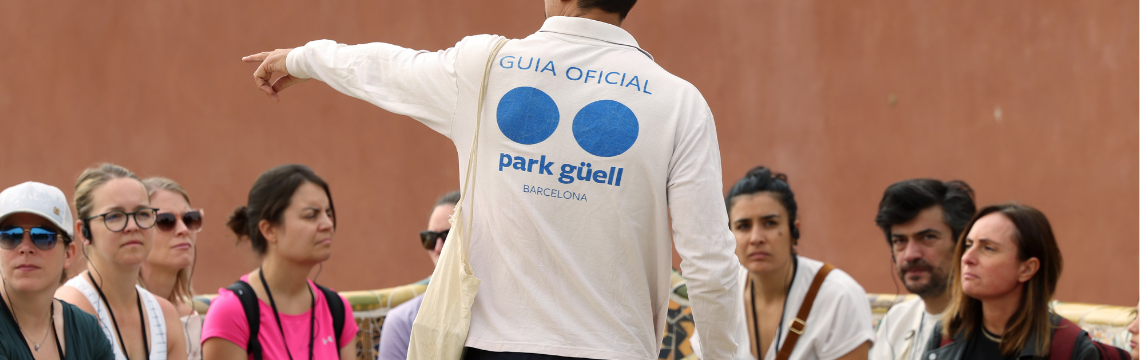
(527, 115)
(605, 128)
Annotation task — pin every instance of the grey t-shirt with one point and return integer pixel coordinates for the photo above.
(397, 330)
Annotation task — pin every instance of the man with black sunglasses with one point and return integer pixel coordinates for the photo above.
(397, 329)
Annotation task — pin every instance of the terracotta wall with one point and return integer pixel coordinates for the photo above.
(1034, 101)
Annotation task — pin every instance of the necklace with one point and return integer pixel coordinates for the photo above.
(992, 337)
(142, 320)
(9, 313)
(51, 320)
(312, 314)
(787, 293)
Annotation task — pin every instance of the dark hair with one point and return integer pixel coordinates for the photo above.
(760, 179)
(621, 7)
(1034, 239)
(269, 198)
(450, 198)
(905, 199)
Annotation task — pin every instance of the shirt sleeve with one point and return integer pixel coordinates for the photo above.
(350, 327)
(849, 313)
(702, 238)
(397, 332)
(419, 84)
(226, 319)
(882, 348)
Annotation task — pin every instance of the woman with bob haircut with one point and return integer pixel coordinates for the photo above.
(776, 282)
(35, 251)
(1006, 275)
(116, 223)
(290, 221)
(168, 269)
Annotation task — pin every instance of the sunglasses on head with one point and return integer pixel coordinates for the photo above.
(43, 238)
(168, 221)
(428, 238)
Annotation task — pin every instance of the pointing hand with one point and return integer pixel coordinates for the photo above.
(272, 62)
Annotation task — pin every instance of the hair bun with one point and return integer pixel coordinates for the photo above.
(239, 222)
(763, 173)
(759, 172)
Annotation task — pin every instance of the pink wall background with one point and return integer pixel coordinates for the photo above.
(1034, 101)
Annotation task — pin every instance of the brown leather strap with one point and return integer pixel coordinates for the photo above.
(796, 328)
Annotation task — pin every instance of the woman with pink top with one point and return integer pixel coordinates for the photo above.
(290, 221)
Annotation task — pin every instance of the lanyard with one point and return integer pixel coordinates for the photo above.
(312, 314)
(7, 312)
(142, 320)
(787, 293)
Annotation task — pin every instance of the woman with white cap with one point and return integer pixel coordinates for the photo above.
(34, 220)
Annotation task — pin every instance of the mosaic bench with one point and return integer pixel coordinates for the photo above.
(1107, 324)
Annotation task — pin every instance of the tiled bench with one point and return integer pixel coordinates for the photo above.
(1105, 323)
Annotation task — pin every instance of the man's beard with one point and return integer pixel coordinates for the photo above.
(935, 286)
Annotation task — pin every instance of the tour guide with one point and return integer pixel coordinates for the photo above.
(576, 107)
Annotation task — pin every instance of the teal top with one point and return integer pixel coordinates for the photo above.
(82, 337)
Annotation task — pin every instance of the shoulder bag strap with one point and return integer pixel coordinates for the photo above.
(248, 300)
(801, 317)
(469, 178)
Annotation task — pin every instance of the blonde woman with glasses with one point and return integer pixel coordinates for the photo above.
(115, 221)
(169, 268)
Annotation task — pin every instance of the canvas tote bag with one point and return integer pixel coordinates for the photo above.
(441, 326)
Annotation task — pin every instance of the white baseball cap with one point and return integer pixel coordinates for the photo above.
(40, 199)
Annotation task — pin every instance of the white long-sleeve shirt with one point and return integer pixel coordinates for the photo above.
(587, 149)
(904, 332)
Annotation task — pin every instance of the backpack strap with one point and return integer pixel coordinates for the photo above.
(1065, 335)
(248, 300)
(336, 308)
(1109, 352)
(805, 310)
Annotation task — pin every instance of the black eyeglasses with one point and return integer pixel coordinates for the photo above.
(168, 221)
(116, 220)
(428, 238)
(43, 238)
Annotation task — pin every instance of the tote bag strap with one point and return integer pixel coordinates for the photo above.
(469, 178)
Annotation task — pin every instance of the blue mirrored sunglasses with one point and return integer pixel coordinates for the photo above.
(43, 238)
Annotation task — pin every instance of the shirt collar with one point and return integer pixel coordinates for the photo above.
(592, 29)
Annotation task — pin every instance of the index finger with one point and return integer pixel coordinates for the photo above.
(255, 57)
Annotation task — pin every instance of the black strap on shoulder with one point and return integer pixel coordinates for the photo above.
(248, 299)
(336, 308)
(1109, 352)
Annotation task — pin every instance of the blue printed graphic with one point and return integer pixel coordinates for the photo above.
(605, 128)
(527, 115)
